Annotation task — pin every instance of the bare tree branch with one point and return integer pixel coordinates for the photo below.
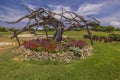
(27, 8)
(43, 16)
(94, 19)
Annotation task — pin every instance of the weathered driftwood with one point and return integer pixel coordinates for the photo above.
(44, 17)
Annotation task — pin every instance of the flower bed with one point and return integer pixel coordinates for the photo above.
(65, 50)
(100, 38)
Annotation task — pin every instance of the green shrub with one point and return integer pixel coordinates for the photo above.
(76, 50)
(115, 37)
(3, 29)
(108, 29)
(13, 29)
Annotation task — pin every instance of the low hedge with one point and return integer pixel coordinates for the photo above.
(100, 38)
(115, 37)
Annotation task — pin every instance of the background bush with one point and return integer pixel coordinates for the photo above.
(108, 29)
(3, 29)
(115, 37)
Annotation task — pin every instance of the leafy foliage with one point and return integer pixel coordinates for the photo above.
(76, 50)
(44, 45)
(13, 29)
(101, 38)
(80, 43)
(117, 29)
(49, 29)
(115, 37)
(108, 29)
(3, 29)
(54, 47)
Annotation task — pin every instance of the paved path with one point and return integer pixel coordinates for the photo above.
(4, 46)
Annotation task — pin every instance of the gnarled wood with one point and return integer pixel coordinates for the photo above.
(43, 17)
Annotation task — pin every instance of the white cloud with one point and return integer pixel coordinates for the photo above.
(58, 9)
(99, 9)
(94, 9)
(112, 19)
(88, 9)
(84, 10)
(107, 20)
(10, 14)
(116, 24)
(31, 6)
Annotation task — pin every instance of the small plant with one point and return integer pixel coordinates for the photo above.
(95, 37)
(102, 39)
(105, 40)
(50, 47)
(86, 36)
(32, 44)
(77, 51)
(39, 49)
(60, 48)
(110, 39)
(77, 48)
(80, 43)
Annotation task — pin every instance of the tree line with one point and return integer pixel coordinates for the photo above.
(96, 28)
(4, 29)
(108, 29)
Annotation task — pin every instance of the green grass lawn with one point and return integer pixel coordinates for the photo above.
(104, 64)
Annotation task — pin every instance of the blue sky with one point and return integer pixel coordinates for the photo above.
(106, 11)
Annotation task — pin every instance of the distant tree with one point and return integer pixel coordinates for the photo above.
(109, 29)
(48, 28)
(117, 29)
(96, 28)
(13, 29)
(77, 29)
(31, 29)
(3, 29)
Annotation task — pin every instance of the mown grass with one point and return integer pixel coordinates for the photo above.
(104, 64)
(5, 35)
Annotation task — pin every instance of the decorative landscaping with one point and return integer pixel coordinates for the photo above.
(66, 50)
(115, 37)
(59, 42)
(103, 64)
(104, 39)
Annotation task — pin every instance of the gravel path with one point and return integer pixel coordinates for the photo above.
(4, 44)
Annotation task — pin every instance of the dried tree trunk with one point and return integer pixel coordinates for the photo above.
(58, 34)
(90, 37)
(46, 32)
(17, 38)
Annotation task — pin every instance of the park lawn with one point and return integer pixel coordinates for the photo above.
(104, 64)
(5, 36)
(77, 33)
